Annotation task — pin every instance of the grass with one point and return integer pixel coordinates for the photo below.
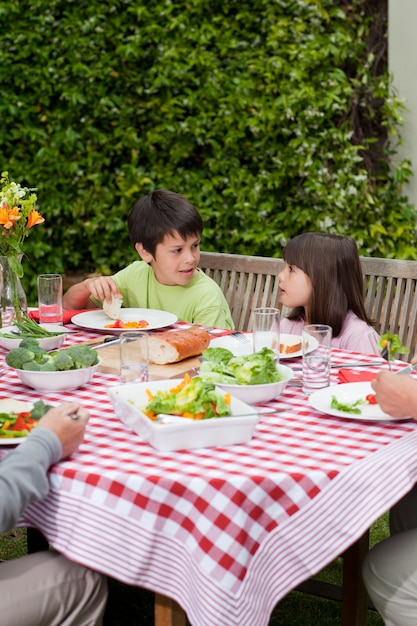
(132, 606)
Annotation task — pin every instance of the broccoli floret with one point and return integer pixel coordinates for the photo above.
(33, 366)
(39, 409)
(39, 353)
(28, 342)
(83, 356)
(49, 366)
(63, 361)
(17, 357)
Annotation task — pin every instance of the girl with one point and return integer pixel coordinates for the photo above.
(322, 283)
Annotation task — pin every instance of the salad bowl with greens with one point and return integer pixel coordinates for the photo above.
(253, 378)
(203, 414)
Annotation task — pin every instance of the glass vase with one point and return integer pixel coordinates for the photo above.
(12, 296)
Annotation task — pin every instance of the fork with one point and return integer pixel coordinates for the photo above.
(385, 353)
(240, 336)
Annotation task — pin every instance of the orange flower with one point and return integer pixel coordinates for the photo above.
(34, 218)
(9, 217)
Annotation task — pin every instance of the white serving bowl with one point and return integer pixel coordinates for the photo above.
(57, 381)
(129, 399)
(254, 394)
(47, 343)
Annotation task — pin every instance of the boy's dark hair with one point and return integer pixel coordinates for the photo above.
(161, 213)
(333, 265)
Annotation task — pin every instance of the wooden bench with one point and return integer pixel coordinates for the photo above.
(252, 281)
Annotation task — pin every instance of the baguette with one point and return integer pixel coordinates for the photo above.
(176, 345)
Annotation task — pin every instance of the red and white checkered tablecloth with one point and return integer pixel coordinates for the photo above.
(227, 532)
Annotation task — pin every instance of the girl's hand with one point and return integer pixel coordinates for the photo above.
(396, 395)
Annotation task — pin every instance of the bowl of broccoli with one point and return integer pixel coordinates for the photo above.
(252, 378)
(59, 370)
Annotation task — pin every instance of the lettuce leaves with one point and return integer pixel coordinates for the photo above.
(220, 366)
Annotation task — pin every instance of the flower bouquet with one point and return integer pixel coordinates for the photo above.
(17, 216)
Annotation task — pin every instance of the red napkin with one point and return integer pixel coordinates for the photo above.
(67, 314)
(355, 376)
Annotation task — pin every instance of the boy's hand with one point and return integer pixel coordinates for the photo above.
(102, 288)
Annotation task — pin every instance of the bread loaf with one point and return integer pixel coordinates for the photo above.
(291, 344)
(176, 345)
(112, 308)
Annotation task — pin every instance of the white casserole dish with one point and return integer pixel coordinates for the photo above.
(129, 399)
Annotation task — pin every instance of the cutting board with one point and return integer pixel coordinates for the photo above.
(110, 363)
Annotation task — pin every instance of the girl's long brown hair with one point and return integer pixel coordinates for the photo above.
(332, 264)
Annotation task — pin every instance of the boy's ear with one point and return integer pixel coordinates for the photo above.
(144, 255)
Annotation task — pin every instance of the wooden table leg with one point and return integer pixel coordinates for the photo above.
(354, 595)
(168, 612)
(36, 542)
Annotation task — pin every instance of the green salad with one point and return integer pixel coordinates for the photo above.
(194, 398)
(347, 407)
(220, 366)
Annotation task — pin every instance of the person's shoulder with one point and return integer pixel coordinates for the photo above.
(202, 279)
(291, 327)
(352, 320)
(201, 276)
(134, 268)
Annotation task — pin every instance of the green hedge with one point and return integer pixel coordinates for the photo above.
(244, 107)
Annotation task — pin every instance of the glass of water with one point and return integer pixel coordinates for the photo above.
(50, 298)
(317, 348)
(266, 329)
(134, 367)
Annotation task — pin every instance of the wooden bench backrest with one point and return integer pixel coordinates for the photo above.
(391, 298)
(246, 281)
(250, 281)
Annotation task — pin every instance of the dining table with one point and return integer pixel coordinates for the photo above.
(220, 534)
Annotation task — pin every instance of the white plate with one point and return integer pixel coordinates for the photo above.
(97, 320)
(128, 400)
(349, 393)
(13, 441)
(240, 348)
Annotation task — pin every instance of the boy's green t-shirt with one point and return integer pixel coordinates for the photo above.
(199, 302)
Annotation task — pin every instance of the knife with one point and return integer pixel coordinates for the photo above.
(353, 364)
(408, 370)
(109, 340)
(191, 373)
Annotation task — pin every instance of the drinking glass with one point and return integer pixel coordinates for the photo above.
(50, 298)
(316, 340)
(134, 359)
(266, 329)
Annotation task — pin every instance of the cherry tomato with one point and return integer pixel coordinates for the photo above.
(371, 398)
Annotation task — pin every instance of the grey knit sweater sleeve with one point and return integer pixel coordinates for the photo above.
(23, 474)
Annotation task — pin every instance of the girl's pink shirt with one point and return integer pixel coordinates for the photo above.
(355, 336)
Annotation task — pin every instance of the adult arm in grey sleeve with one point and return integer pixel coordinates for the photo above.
(23, 474)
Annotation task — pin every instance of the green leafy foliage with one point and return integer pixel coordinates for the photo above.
(246, 112)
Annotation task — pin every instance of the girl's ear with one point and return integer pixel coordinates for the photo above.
(144, 255)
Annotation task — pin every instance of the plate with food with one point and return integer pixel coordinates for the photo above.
(196, 414)
(17, 418)
(129, 319)
(290, 345)
(356, 401)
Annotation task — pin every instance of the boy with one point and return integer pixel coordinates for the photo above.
(165, 230)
